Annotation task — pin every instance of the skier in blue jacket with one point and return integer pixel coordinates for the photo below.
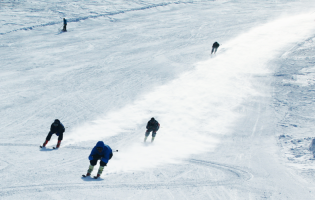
(100, 152)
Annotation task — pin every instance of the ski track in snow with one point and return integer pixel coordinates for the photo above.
(99, 15)
(229, 175)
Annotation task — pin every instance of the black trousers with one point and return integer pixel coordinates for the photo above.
(214, 50)
(147, 133)
(60, 137)
(97, 157)
(64, 28)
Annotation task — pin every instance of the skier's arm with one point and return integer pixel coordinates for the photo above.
(108, 155)
(147, 125)
(51, 128)
(91, 155)
(62, 128)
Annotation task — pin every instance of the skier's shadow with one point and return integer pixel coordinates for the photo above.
(91, 179)
(147, 143)
(59, 32)
(46, 149)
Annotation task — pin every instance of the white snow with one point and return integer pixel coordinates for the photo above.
(235, 125)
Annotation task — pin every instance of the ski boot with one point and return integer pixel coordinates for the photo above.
(152, 139)
(58, 144)
(145, 138)
(44, 144)
(89, 171)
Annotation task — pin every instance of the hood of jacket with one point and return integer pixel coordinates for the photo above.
(100, 144)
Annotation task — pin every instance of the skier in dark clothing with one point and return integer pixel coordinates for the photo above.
(215, 47)
(64, 25)
(55, 128)
(153, 126)
(101, 152)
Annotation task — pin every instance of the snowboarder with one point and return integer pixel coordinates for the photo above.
(153, 126)
(215, 47)
(55, 128)
(64, 25)
(100, 152)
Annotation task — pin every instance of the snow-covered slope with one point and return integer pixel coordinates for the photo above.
(235, 125)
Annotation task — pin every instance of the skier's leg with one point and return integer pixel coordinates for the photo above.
(212, 50)
(95, 159)
(153, 136)
(215, 50)
(147, 133)
(47, 138)
(60, 137)
(101, 168)
(92, 164)
(89, 171)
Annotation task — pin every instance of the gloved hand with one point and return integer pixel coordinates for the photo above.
(90, 157)
(103, 159)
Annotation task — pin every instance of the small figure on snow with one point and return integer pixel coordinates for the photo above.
(215, 47)
(64, 25)
(153, 126)
(55, 128)
(100, 152)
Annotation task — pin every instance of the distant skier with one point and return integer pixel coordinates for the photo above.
(153, 126)
(215, 47)
(55, 128)
(100, 152)
(64, 25)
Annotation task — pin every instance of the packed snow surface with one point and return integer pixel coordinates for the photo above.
(237, 124)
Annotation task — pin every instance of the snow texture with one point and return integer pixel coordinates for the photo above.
(235, 125)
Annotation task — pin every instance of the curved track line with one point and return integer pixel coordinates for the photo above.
(2, 167)
(233, 176)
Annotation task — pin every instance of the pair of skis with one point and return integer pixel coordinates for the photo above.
(95, 177)
(45, 147)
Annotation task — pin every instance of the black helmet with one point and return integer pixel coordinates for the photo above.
(56, 122)
(152, 119)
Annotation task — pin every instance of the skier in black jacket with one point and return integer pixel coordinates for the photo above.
(64, 25)
(215, 47)
(153, 126)
(55, 128)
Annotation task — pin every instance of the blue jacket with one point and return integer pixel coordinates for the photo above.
(105, 154)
